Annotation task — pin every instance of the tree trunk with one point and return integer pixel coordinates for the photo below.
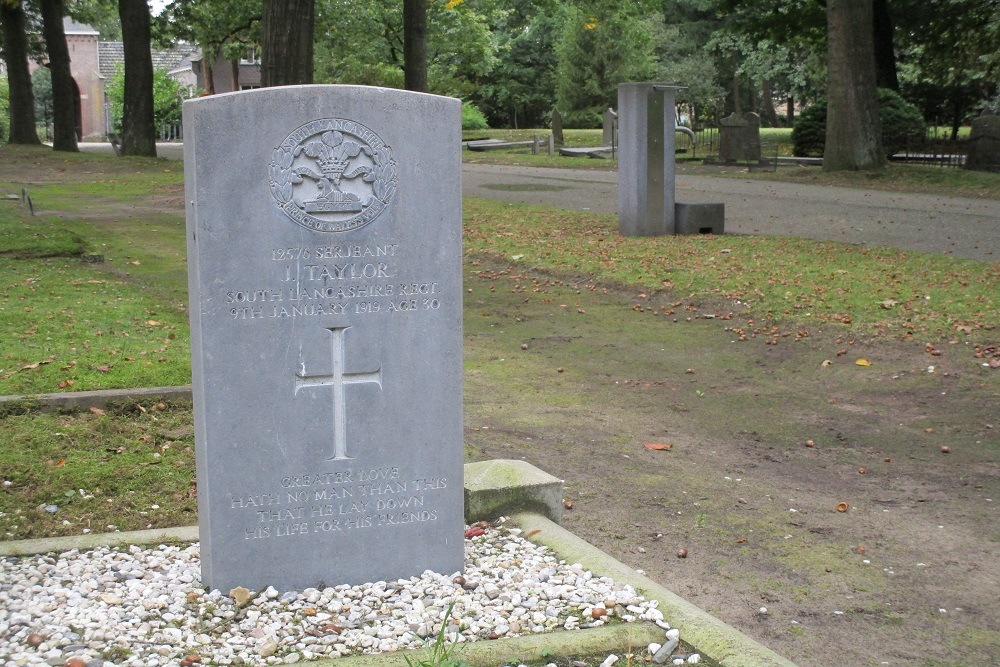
(885, 55)
(767, 110)
(15, 53)
(287, 42)
(235, 65)
(415, 45)
(790, 111)
(853, 130)
(208, 74)
(138, 126)
(64, 92)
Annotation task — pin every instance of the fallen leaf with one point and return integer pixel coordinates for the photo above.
(862, 362)
(240, 595)
(826, 362)
(843, 507)
(657, 446)
(103, 369)
(475, 531)
(97, 411)
(532, 533)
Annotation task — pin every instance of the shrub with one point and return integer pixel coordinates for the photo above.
(583, 119)
(902, 126)
(473, 118)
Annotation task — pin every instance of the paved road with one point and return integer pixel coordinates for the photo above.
(957, 226)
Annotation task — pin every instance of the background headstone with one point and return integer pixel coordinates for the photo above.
(610, 120)
(324, 256)
(984, 144)
(739, 137)
(557, 128)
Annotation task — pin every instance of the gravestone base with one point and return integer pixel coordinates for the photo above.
(508, 486)
(700, 218)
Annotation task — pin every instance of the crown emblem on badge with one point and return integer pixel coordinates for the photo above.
(332, 175)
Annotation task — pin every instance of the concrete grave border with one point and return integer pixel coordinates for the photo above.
(524, 494)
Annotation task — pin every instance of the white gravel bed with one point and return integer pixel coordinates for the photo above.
(145, 607)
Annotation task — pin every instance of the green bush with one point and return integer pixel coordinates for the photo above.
(902, 126)
(473, 118)
(583, 119)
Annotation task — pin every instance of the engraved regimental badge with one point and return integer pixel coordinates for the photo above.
(332, 175)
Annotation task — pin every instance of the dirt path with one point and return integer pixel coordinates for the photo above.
(957, 226)
(906, 576)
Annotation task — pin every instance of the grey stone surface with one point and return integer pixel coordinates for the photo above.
(700, 217)
(557, 128)
(739, 137)
(984, 144)
(101, 398)
(324, 258)
(505, 486)
(646, 144)
(609, 129)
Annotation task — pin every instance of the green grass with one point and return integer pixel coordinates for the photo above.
(129, 469)
(795, 282)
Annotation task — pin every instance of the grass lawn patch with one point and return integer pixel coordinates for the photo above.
(128, 468)
(785, 286)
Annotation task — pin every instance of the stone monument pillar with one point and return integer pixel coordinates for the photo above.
(646, 122)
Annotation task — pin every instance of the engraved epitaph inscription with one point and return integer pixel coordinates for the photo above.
(332, 175)
(337, 380)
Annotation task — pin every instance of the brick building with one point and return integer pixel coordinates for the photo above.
(94, 62)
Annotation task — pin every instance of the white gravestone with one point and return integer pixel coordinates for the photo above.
(324, 259)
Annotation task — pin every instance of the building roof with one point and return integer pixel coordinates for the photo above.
(71, 27)
(112, 54)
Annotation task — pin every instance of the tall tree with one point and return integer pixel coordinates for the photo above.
(15, 53)
(138, 127)
(415, 45)
(287, 42)
(853, 129)
(604, 43)
(65, 98)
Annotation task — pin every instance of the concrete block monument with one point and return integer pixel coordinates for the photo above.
(646, 144)
(647, 204)
(324, 258)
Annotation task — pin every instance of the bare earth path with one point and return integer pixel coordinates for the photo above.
(906, 576)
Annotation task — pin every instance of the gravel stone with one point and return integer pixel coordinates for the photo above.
(149, 602)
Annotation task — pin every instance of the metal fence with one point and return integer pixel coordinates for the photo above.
(932, 150)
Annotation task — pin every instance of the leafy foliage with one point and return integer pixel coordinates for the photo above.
(472, 117)
(41, 87)
(520, 89)
(902, 126)
(168, 95)
(603, 44)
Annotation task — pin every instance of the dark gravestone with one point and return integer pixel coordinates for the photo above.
(739, 138)
(984, 144)
(324, 259)
(557, 129)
